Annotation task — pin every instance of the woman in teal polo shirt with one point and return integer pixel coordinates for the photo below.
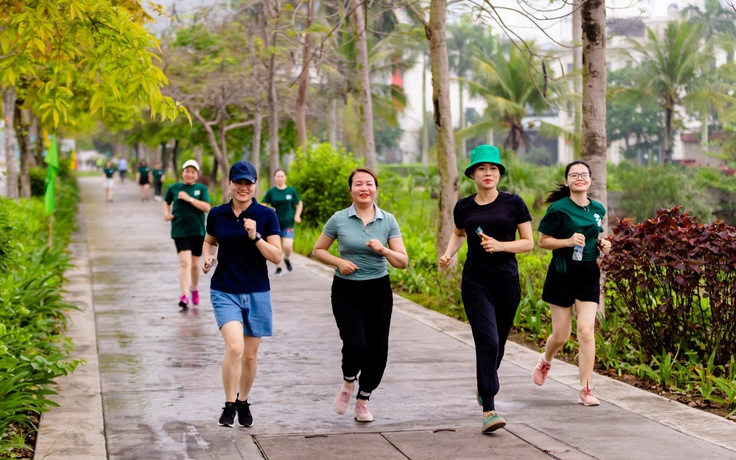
(362, 300)
(489, 220)
(573, 224)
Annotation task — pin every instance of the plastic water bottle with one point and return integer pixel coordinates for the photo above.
(577, 253)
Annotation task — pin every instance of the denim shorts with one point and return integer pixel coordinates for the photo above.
(252, 310)
(287, 232)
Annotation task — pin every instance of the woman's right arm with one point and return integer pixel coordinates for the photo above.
(551, 243)
(321, 252)
(209, 252)
(456, 242)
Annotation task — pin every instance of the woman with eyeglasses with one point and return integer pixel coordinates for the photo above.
(572, 229)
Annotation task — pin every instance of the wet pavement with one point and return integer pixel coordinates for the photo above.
(151, 388)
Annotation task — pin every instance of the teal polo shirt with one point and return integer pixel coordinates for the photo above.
(347, 228)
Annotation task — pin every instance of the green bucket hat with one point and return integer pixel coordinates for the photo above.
(485, 154)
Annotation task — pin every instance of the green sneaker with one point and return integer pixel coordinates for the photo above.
(479, 399)
(492, 422)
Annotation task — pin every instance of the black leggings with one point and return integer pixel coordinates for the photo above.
(362, 312)
(490, 304)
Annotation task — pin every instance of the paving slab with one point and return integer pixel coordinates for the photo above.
(152, 387)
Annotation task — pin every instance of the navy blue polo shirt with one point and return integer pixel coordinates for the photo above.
(241, 268)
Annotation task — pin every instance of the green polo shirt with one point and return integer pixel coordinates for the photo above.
(347, 228)
(109, 172)
(188, 220)
(157, 174)
(564, 217)
(284, 203)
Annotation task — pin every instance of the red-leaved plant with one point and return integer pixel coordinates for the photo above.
(675, 279)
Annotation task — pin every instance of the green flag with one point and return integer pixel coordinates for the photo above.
(52, 168)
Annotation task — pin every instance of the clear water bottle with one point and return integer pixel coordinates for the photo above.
(577, 253)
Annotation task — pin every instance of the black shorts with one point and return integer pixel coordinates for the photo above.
(581, 282)
(190, 243)
(143, 180)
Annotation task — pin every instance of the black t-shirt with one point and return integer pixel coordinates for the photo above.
(498, 220)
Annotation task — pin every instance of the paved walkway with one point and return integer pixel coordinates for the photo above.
(151, 387)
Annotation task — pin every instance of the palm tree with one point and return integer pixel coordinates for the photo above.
(512, 89)
(675, 71)
(716, 22)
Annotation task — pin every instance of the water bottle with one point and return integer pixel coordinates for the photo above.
(577, 253)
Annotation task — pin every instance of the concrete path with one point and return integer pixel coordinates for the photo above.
(151, 388)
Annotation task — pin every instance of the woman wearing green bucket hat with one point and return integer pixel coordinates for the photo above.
(489, 220)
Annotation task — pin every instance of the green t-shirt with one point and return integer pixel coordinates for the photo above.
(157, 174)
(109, 172)
(284, 202)
(188, 220)
(144, 170)
(564, 217)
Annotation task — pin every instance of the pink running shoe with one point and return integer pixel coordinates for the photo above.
(184, 302)
(195, 297)
(342, 400)
(540, 371)
(586, 397)
(362, 414)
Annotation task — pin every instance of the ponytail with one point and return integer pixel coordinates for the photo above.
(561, 192)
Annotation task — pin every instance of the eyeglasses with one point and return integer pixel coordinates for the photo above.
(584, 175)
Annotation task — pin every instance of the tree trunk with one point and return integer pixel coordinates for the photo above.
(462, 123)
(446, 160)
(594, 94)
(24, 146)
(425, 126)
(11, 178)
(38, 148)
(301, 101)
(175, 159)
(577, 38)
(333, 124)
(255, 156)
(666, 155)
(364, 71)
(224, 163)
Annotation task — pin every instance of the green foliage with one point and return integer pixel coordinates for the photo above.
(676, 281)
(646, 189)
(32, 352)
(321, 177)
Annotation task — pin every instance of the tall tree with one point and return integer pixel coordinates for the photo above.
(364, 72)
(301, 103)
(446, 157)
(593, 142)
(70, 53)
(671, 66)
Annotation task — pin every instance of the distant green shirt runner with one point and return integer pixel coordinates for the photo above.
(109, 172)
(157, 175)
(144, 170)
(188, 220)
(284, 203)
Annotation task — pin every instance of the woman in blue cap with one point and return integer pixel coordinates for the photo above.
(241, 236)
(489, 220)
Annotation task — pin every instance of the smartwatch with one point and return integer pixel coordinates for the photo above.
(257, 238)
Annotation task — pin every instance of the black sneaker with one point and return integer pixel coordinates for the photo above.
(228, 415)
(245, 418)
(278, 271)
(288, 264)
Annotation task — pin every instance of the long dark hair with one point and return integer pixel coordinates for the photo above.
(562, 189)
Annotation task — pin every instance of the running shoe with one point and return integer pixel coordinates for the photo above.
(278, 271)
(195, 297)
(228, 415)
(492, 422)
(342, 400)
(184, 302)
(245, 419)
(288, 264)
(540, 371)
(362, 414)
(586, 397)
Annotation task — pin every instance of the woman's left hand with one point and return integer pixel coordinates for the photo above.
(605, 245)
(491, 245)
(250, 227)
(376, 245)
(298, 219)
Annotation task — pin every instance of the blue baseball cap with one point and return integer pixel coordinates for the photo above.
(243, 170)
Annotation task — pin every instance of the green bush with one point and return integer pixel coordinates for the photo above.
(32, 351)
(675, 280)
(321, 177)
